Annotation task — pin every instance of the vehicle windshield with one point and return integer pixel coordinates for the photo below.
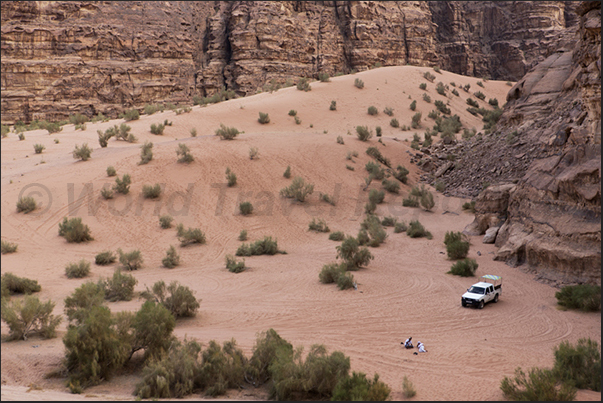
(477, 290)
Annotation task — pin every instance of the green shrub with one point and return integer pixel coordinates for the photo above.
(190, 236)
(265, 350)
(106, 193)
(375, 170)
(400, 227)
(157, 128)
(363, 133)
(391, 186)
(464, 268)
(122, 185)
(493, 102)
(358, 388)
(326, 198)
(82, 152)
(394, 123)
(358, 83)
(457, 245)
(178, 299)
(340, 140)
(318, 226)
(330, 273)
(287, 173)
(38, 148)
(150, 109)
(437, 69)
(174, 376)
(292, 112)
(299, 189)
(333, 106)
(193, 132)
(440, 89)
(53, 127)
(73, 230)
(376, 154)
(8, 247)
(579, 365)
(111, 171)
(228, 133)
(105, 258)
(416, 120)
(166, 221)
(171, 259)
(233, 265)
(408, 389)
(245, 208)
(131, 114)
(410, 201)
(153, 325)
(30, 316)
(585, 297)
(376, 196)
(19, 285)
(253, 152)
(120, 287)
(21, 136)
(480, 84)
(184, 153)
(313, 378)
(427, 201)
(442, 107)
(5, 130)
(131, 260)
(455, 92)
(389, 221)
(472, 103)
(99, 118)
(243, 235)
(416, 230)
(388, 111)
(401, 174)
(539, 385)
(264, 118)
(370, 207)
(352, 255)
(222, 368)
(479, 95)
(428, 76)
(372, 110)
(151, 191)
(470, 206)
(303, 84)
(26, 204)
(413, 105)
(266, 246)
(466, 87)
(337, 236)
(345, 281)
(426, 98)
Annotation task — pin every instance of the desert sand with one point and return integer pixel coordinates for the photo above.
(403, 292)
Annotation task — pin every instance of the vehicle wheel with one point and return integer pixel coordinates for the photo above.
(480, 305)
(496, 298)
(463, 303)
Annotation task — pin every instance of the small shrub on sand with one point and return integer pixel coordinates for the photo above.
(416, 230)
(146, 153)
(243, 235)
(457, 245)
(579, 364)
(363, 133)
(131, 114)
(233, 265)
(171, 259)
(130, 260)
(82, 152)
(358, 387)
(400, 227)
(74, 230)
(464, 268)
(120, 287)
(231, 177)
(166, 221)
(157, 128)
(38, 148)
(190, 235)
(151, 191)
(78, 270)
(330, 273)
(337, 236)
(264, 118)
(246, 208)
(26, 204)
(105, 258)
(376, 196)
(427, 201)
(19, 285)
(298, 190)
(333, 106)
(266, 246)
(358, 83)
(8, 247)
(408, 389)
(253, 153)
(539, 385)
(122, 185)
(319, 225)
(178, 299)
(352, 255)
(287, 173)
(372, 110)
(227, 133)
(184, 154)
(391, 186)
(304, 85)
(111, 171)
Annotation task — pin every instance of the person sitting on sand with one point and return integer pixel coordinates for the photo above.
(421, 347)
(408, 343)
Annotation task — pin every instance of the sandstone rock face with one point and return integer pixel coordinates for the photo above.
(553, 223)
(90, 57)
(64, 57)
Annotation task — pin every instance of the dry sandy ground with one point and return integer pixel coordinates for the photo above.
(404, 292)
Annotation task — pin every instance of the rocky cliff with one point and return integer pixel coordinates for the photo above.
(548, 141)
(62, 57)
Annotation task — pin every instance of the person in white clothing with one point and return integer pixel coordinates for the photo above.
(408, 343)
(421, 347)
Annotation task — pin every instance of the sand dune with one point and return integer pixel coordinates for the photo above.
(405, 290)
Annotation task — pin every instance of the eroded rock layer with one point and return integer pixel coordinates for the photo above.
(64, 57)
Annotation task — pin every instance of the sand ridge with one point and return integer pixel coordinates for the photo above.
(405, 290)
